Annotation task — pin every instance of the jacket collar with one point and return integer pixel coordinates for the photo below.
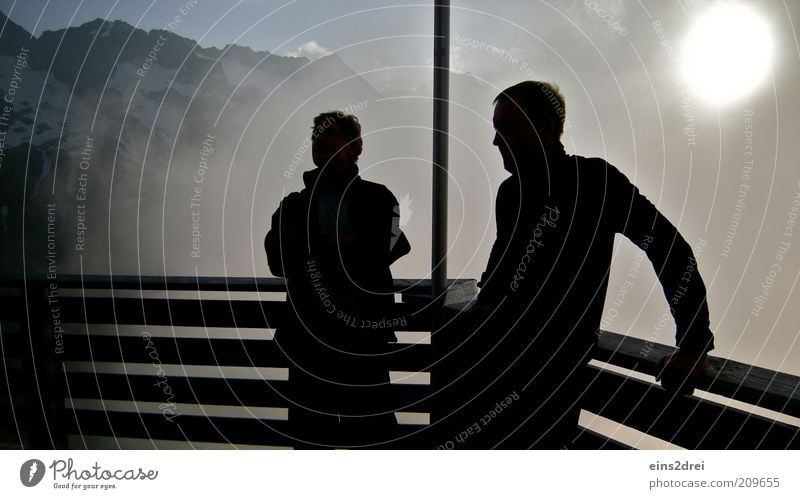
(325, 178)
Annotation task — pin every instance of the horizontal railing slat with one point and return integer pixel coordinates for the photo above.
(208, 313)
(192, 283)
(751, 384)
(233, 392)
(181, 428)
(591, 440)
(214, 429)
(214, 352)
(686, 421)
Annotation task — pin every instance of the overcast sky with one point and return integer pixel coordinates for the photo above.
(619, 65)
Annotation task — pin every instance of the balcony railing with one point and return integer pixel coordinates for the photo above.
(184, 361)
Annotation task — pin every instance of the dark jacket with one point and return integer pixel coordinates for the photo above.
(548, 269)
(515, 378)
(338, 240)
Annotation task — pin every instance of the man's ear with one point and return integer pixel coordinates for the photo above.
(547, 129)
(544, 129)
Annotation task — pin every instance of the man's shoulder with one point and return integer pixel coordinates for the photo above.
(293, 200)
(373, 189)
(598, 170)
(592, 163)
(294, 197)
(370, 185)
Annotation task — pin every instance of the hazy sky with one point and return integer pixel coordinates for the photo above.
(725, 173)
(279, 26)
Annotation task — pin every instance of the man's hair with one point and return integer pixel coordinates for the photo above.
(347, 124)
(539, 100)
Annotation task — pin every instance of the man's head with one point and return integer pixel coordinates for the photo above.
(336, 141)
(528, 121)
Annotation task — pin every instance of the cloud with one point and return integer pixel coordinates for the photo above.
(311, 50)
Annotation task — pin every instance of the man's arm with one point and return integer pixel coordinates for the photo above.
(675, 264)
(284, 241)
(507, 211)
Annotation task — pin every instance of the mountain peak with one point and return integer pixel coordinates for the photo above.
(12, 36)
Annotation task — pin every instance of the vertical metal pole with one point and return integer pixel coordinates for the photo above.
(441, 95)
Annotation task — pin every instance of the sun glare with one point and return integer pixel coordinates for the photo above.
(727, 53)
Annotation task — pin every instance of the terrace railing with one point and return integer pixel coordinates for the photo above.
(168, 362)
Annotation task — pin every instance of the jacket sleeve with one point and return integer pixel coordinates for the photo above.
(507, 214)
(672, 258)
(284, 241)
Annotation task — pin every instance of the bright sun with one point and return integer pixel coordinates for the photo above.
(727, 53)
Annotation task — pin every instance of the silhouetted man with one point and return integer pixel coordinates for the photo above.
(542, 294)
(334, 242)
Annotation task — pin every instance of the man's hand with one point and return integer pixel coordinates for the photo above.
(679, 372)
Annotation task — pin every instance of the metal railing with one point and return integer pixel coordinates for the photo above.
(191, 360)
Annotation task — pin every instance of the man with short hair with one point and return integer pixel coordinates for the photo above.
(542, 294)
(334, 241)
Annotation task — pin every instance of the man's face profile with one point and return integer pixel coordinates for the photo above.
(520, 142)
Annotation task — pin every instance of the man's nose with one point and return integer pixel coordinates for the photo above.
(497, 139)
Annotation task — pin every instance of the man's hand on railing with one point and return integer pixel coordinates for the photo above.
(680, 371)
